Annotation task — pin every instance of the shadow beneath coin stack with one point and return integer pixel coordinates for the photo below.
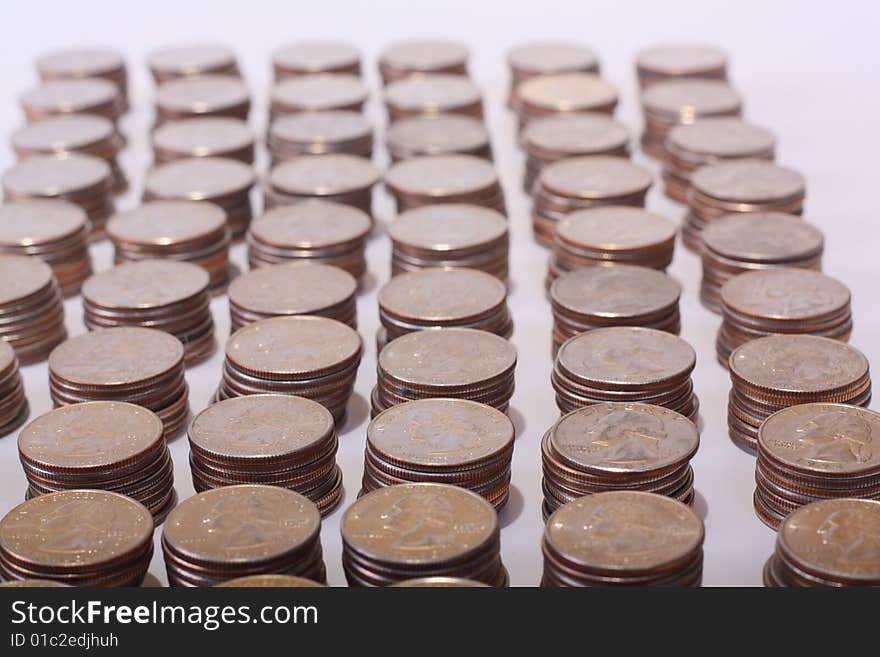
(356, 412)
(519, 421)
(700, 505)
(513, 508)
(367, 283)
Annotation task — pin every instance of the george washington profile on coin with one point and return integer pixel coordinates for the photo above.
(629, 437)
(856, 543)
(835, 437)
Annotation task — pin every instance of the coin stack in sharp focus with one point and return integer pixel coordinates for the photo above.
(57, 232)
(236, 531)
(64, 97)
(611, 235)
(577, 183)
(763, 240)
(530, 60)
(78, 537)
(311, 231)
(682, 102)
(296, 288)
(206, 95)
(435, 179)
(626, 364)
(743, 186)
(689, 147)
(448, 134)
(317, 93)
(773, 373)
(832, 543)
(308, 356)
(565, 93)
(410, 58)
(792, 301)
(421, 530)
(88, 135)
(592, 297)
(436, 582)
(31, 310)
(311, 57)
(184, 61)
(618, 446)
(211, 136)
(319, 133)
(623, 538)
(459, 363)
(80, 63)
(84, 180)
(126, 364)
(433, 95)
(443, 298)
(553, 138)
(814, 452)
(666, 62)
(277, 440)
(336, 177)
(187, 231)
(450, 235)
(14, 408)
(270, 582)
(102, 445)
(167, 295)
(445, 441)
(223, 182)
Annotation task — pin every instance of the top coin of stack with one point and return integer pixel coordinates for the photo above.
(406, 58)
(451, 362)
(827, 544)
(206, 95)
(296, 288)
(770, 301)
(192, 60)
(277, 440)
(763, 240)
(234, 531)
(14, 407)
(813, 452)
(442, 298)
(450, 235)
(174, 230)
(611, 236)
(626, 364)
(270, 582)
(553, 138)
(223, 182)
(317, 93)
(77, 537)
(311, 57)
(89, 135)
(682, 102)
(743, 186)
(666, 62)
(100, 445)
(577, 183)
(689, 147)
(623, 538)
(564, 93)
(778, 371)
(311, 231)
(85, 63)
(421, 530)
(445, 134)
(336, 177)
(436, 582)
(125, 364)
(74, 96)
(433, 95)
(444, 179)
(609, 446)
(211, 136)
(320, 133)
(167, 295)
(529, 60)
(31, 310)
(84, 180)
(57, 232)
(447, 441)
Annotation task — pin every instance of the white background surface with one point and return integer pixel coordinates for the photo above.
(806, 70)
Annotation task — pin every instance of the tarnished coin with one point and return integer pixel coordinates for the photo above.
(436, 296)
(198, 179)
(565, 92)
(765, 237)
(686, 100)
(598, 177)
(444, 179)
(439, 582)
(31, 584)
(64, 134)
(192, 60)
(310, 57)
(785, 295)
(405, 58)
(167, 224)
(319, 133)
(270, 582)
(21, 278)
(437, 135)
(431, 95)
(74, 96)
(555, 137)
(73, 177)
(749, 181)
(448, 227)
(206, 95)
(318, 93)
(210, 136)
(719, 139)
(548, 57)
(82, 63)
(144, 285)
(615, 229)
(311, 225)
(667, 61)
(39, 223)
(323, 175)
